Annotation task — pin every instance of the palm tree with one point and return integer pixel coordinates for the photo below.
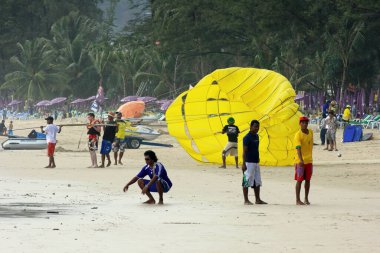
(348, 37)
(36, 74)
(73, 35)
(128, 65)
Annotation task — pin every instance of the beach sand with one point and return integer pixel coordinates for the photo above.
(75, 209)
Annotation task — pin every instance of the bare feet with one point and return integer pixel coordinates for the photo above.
(336, 149)
(95, 166)
(325, 149)
(248, 203)
(150, 202)
(53, 166)
(307, 202)
(101, 166)
(161, 202)
(120, 163)
(47, 167)
(330, 150)
(109, 163)
(260, 202)
(222, 167)
(237, 167)
(90, 166)
(115, 163)
(300, 203)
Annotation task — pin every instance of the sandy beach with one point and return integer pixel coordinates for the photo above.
(76, 209)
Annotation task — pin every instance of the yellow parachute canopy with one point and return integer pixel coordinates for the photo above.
(197, 116)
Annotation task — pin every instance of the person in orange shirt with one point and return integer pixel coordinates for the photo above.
(303, 159)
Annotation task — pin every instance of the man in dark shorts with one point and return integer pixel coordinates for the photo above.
(303, 159)
(2, 127)
(251, 167)
(93, 131)
(231, 148)
(108, 138)
(159, 181)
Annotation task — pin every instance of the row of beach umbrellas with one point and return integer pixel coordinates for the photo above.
(163, 103)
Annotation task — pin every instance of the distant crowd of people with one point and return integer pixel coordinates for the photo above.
(4, 130)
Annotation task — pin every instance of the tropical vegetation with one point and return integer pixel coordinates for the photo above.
(61, 48)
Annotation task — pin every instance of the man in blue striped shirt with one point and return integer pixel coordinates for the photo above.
(159, 181)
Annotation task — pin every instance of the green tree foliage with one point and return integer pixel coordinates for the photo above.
(35, 76)
(72, 38)
(22, 20)
(317, 45)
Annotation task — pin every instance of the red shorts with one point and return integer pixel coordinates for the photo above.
(50, 149)
(303, 173)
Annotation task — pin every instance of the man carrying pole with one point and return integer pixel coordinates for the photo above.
(119, 143)
(108, 138)
(51, 131)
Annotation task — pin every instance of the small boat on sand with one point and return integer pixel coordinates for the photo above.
(34, 141)
(143, 132)
(18, 143)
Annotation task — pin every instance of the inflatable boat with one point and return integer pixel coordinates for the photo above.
(34, 141)
(24, 143)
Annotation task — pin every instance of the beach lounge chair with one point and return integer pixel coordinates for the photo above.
(373, 123)
(359, 121)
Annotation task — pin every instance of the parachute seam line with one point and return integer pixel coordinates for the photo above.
(268, 98)
(287, 106)
(228, 75)
(184, 98)
(220, 114)
(208, 121)
(255, 85)
(198, 118)
(242, 83)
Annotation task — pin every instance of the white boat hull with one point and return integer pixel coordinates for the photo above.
(24, 144)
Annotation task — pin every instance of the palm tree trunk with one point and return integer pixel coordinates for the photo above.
(342, 87)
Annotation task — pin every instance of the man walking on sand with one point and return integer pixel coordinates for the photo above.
(251, 168)
(108, 138)
(303, 159)
(231, 148)
(51, 131)
(159, 181)
(331, 126)
(119, 143)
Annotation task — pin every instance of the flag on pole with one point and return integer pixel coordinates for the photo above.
(99, 98)
(100, 94)
(95, 106)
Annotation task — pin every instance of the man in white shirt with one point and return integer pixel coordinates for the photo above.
(51, 131)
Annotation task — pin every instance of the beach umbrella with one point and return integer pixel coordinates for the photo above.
(129, 99)
(43, 103)
(161, 101)
(166, 105)
(298, 97)
(57, 100)
(146, 99)
(90, 98)
(78, 101)
(133, 109)
(15, 102)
